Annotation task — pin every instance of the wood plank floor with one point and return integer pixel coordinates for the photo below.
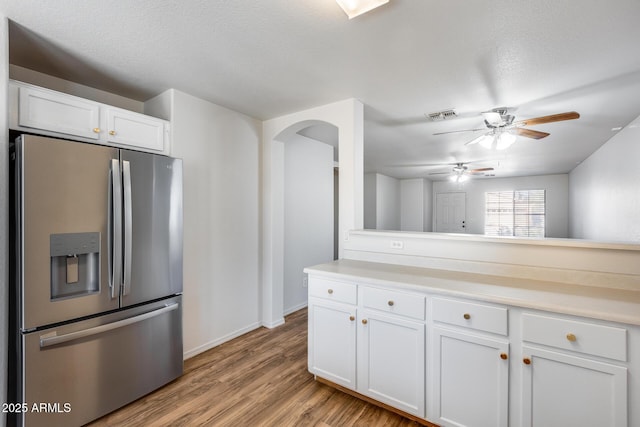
(258, 379)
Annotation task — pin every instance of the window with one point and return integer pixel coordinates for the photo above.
(515, 213)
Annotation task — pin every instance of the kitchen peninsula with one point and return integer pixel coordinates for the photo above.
(453, 347)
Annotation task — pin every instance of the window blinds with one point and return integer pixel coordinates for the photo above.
(515, 213)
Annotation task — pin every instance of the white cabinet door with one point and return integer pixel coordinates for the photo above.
(470, 380)
(135, 130)
(332, 341)
(561, 390)
(56, 112)
(391, 361)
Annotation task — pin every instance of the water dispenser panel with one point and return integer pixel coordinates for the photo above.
(75, 264)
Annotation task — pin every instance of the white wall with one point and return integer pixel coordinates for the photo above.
(220, 151)
(370, 201)
(412, 204)
(557, 199)
(4, 203)
(308, 213)
(428, 205)
(387, 203)
(605, 190)
(406, 204)
(579, 262)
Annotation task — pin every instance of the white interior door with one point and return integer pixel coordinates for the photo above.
(451, 212)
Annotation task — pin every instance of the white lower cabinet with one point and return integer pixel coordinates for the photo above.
(332, 341)
(470, 379)
(571, 382)
(561, 390)
(470, 363)
(391, 361)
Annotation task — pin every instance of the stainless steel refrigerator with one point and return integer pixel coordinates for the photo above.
(95, 278)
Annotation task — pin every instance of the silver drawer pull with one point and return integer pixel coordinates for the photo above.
(330, 291)
(390, 303)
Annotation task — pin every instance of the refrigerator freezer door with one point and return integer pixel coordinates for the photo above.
(86, 369)
(153, 212)
(64, 189)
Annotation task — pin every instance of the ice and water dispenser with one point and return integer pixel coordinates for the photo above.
(75, 264)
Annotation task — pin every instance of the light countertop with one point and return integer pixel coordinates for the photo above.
(602, 303)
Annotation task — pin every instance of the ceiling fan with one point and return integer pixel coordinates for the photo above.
(461, 173)
(503, 129)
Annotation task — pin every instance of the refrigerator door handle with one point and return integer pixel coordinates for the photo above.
(126, 175)
(49, 340)
(114, 240)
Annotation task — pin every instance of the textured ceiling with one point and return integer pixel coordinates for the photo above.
(407, 58)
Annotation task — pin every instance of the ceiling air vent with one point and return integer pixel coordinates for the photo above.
(442, 115)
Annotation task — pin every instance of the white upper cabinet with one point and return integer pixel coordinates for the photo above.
(57, 112)
(47, 112)
(136, 130)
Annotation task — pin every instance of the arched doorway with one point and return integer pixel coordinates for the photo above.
(347, 117)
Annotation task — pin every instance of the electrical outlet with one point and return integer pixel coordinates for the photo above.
(397, 244)
(305, 282)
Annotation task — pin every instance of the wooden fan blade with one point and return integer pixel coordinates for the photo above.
(550, 119)
(458, 131)
(530, 133)
(474, 171)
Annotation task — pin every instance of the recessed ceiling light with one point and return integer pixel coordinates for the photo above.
(355, 8)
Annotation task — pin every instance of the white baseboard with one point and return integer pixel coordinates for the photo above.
(207, 346)
(293, 309)
(274, 324)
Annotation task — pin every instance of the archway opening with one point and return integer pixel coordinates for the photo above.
(309, 197)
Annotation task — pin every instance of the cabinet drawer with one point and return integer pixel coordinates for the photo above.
(332, 290)
(580, 336)
(471, 315)
(404, 304)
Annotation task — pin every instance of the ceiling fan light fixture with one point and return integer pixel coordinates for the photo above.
(355, 8)
(486, 141)
(505, 140)
(459, 177)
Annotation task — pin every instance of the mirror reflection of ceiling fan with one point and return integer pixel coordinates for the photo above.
(461, 172)
(503, 129)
